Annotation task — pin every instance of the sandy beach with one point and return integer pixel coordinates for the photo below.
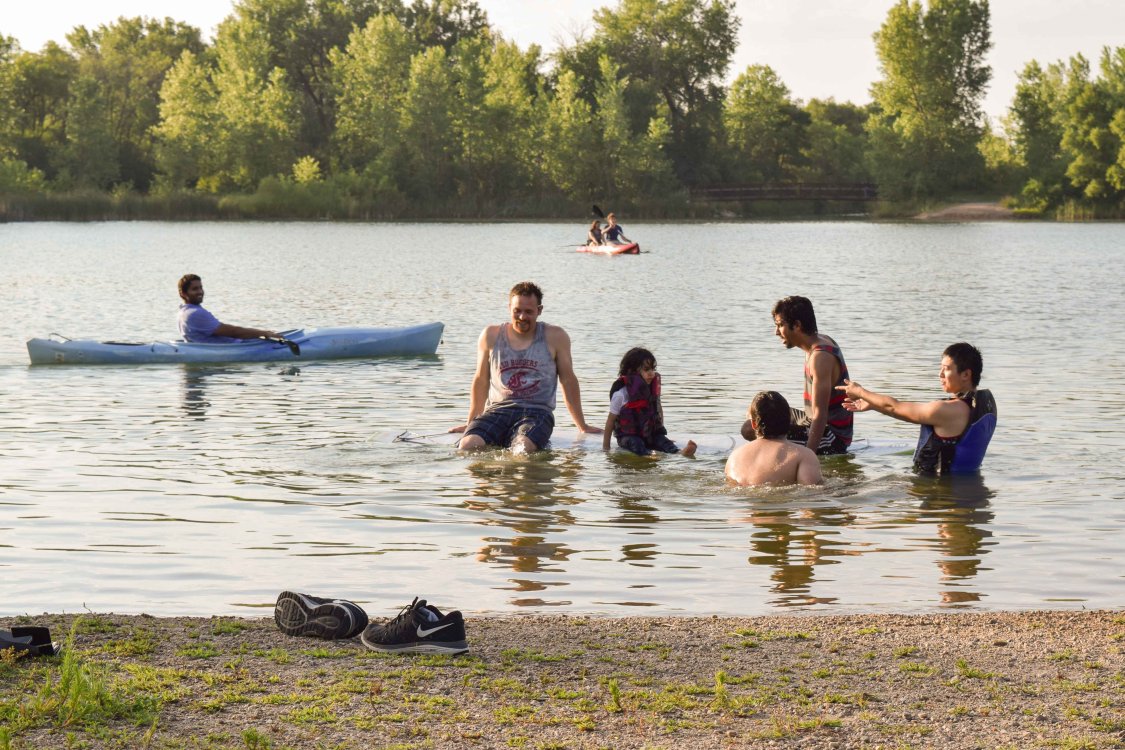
(969, 212)
(984, 680)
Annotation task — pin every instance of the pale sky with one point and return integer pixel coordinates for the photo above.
(820, 48)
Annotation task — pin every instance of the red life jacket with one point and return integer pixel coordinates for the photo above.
(641, 416)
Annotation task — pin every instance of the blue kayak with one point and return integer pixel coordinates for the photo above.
(299, 345)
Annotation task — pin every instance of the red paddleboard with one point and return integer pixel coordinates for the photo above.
(631, 249)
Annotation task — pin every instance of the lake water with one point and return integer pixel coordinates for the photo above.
(207, 490)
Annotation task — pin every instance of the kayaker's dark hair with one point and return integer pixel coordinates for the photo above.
(634, 360)
(793, 310)
(185, 282)
(769, 416)
(527, 289)
(965, 357)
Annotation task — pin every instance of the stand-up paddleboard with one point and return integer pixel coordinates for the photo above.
(709, 444)
(630, 249)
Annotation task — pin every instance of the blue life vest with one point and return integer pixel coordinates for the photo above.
(965, 453)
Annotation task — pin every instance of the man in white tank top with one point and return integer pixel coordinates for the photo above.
(519, 364)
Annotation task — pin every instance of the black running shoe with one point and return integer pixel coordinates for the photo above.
(419, 628)
(315, 617)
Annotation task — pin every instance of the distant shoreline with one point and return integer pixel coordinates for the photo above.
(949, 680)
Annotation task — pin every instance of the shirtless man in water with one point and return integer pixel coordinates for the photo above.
(519, 364)
(769, 457)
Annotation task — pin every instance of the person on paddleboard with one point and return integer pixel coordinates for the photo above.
(954, 432)
(614, 233)
(636, 417)
(199, 326)
(519, 365)
(594, 236)
(769, 457)
(824, 425)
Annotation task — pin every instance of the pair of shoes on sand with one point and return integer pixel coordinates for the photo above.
(420, 628)
(34, 640)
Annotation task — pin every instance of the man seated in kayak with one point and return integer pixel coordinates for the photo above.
(955, 431)
(199, 326)
(613, 233)
(512, 397)
(769, 457)
(594, 236)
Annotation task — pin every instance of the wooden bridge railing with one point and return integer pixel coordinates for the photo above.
(792, 191)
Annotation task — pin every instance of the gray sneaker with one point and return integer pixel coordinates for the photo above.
(316, 617)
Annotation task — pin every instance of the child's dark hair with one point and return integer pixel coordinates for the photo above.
(634, 360)
(770, 414)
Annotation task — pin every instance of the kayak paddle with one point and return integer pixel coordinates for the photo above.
(293, 345)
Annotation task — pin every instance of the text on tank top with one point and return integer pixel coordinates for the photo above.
(840, 420)
(524, 377)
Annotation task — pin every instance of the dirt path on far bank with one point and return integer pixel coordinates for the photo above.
(969, 212)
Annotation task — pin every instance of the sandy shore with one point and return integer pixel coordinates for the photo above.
(969, 212)
(992, 680)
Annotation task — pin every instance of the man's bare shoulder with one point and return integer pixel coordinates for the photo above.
(554, 333)
(490, 333)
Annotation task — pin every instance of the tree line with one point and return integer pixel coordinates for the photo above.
(387, 109)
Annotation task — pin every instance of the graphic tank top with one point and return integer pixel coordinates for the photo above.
(522, 377)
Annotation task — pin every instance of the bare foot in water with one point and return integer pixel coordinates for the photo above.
(689, 449)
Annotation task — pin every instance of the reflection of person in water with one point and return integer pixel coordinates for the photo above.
(530, 498)
(195, 392)
(789, 542)
(958, 506)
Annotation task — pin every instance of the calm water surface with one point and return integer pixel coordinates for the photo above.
(206, 490)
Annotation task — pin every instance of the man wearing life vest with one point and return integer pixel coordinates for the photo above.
(519, 365)
(955, 431)
(824, 425)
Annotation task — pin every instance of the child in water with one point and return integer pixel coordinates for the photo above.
(635, 416)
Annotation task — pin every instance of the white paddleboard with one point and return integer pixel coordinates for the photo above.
(714, 444)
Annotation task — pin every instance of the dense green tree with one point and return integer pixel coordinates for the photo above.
(675, 54)
(1089, 138)
(371, 77)
(572, 143)
(765, 128)
(494, 117)
(924, 136)
(431, 146)
(835, 144)
(299, 37)
(444, 23)
(39, 87)
(114, 100)
(189, 125)
(1035, 126)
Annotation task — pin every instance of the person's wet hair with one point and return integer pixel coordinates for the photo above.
(634, 360)
(184, 282)
(769, 412)
(794, 310)
(965, 357)
(527, 289)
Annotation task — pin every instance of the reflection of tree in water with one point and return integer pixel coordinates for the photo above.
(793, 542)
(958, 507)
(529, 495)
